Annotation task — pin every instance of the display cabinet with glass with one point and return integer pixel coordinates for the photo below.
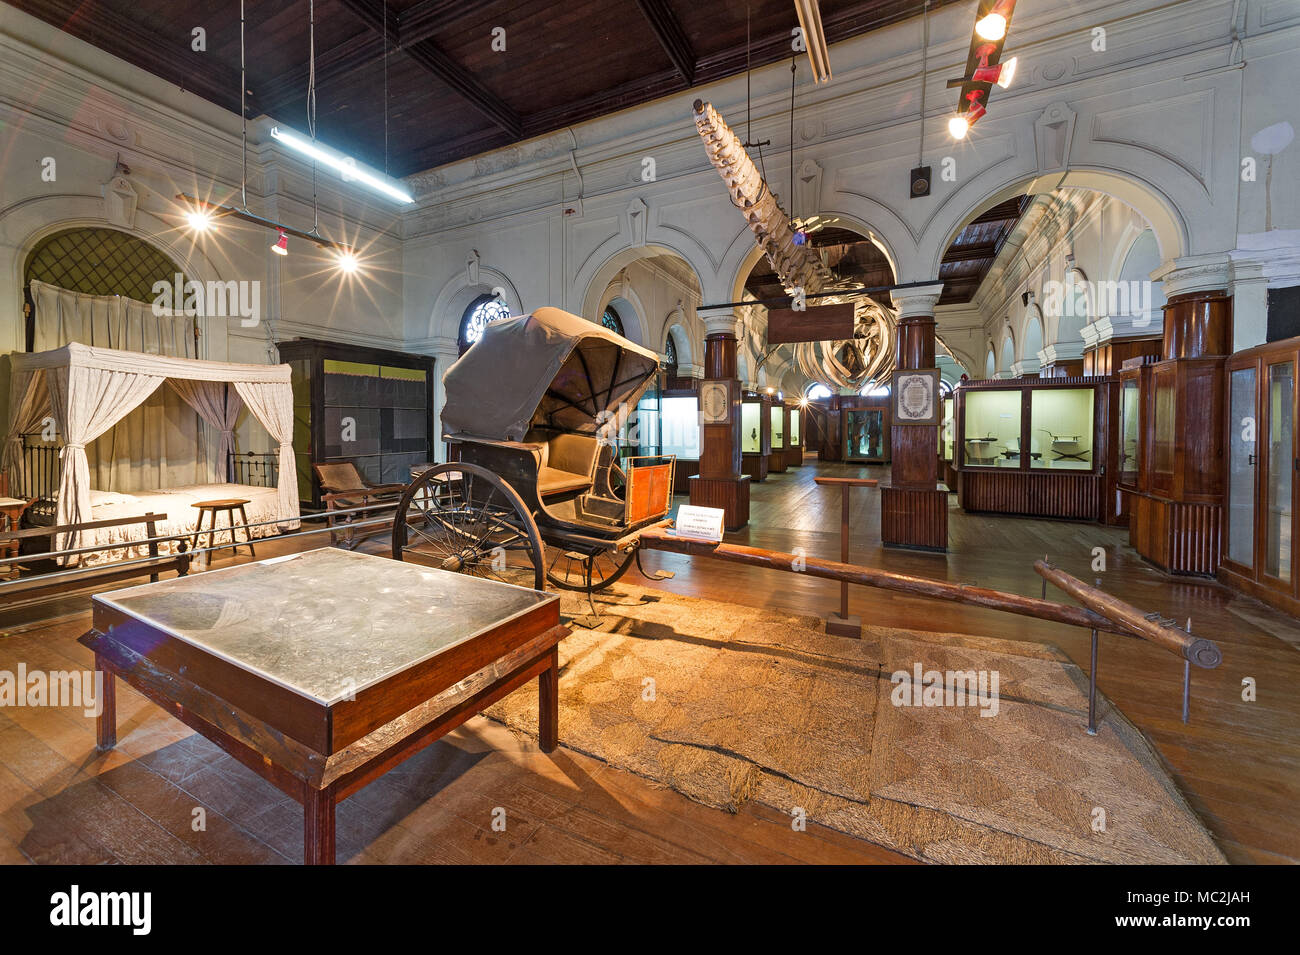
(1130, 427)
(1263, 455)
(866, 433)
(1036, 447)
(1061, 428)
(755, 436)
(776, 455)
(794, 437)
(991, 431)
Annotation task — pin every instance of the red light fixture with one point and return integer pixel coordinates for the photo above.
(281, 246)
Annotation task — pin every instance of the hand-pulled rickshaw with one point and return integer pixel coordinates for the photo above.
(535, 490)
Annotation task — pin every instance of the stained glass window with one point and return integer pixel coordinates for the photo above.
(671, 352)
(611, 320)
(484, 309)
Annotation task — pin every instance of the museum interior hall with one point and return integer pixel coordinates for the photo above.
(650, 432)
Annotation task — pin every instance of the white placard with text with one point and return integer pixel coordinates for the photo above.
(700, 523)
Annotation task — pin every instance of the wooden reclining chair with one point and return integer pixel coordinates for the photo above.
(345, 488)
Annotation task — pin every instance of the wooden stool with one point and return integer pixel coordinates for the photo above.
(229, 505)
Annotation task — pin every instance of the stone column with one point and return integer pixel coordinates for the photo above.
(913, 506)
(720, 482)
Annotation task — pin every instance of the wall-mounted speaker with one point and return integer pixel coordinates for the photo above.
(920, 182)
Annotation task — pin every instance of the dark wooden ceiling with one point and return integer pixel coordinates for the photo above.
(450, 95)
(971, 254)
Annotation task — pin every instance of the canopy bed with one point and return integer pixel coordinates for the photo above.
(87, 390)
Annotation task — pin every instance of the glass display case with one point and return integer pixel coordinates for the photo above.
(680, 426)
(1130, 440)
(642, 432)
(751, 437)
(866, 434)
(947, 430)
(991, 434)
(1038, 447)
(1061, 428)
(777, 412)
(795, 440)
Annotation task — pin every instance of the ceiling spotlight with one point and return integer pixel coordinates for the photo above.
(1007, 73)
(199, 220)
(347, 261)
(992, 27)
(957, 127)
(281, 246)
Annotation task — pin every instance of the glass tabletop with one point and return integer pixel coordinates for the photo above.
(326, 623)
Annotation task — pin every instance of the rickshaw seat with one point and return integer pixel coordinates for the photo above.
(568, 463)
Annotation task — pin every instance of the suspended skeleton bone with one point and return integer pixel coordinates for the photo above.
(869, 354)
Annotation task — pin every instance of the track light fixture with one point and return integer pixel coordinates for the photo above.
(281, 245)
(199, 210)
(984, 66)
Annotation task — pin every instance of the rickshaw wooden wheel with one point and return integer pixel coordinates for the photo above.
(567, 569)
(463, 518)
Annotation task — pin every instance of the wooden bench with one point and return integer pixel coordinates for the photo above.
(345, 488)
(72, 579)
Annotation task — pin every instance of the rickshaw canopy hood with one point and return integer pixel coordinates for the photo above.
(550, 369)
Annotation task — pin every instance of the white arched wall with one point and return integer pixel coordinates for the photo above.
(1007, 354)
(625, 301)
(1031, 339)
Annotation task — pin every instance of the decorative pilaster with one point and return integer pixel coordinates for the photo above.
(720, 482)
(445, 351)
(913, 507)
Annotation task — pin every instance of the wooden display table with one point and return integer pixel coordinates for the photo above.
(322, 671)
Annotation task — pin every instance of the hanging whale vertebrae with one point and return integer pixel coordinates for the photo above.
(849, 363)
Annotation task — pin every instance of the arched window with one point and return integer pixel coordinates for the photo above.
(945, 388)
(817, 390)
(611, 321)
(484, 309)
(670, 353)
(875, 389)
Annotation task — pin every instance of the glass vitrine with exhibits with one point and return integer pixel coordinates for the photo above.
(1061, 427)
(1038, 447)
(777, 411)
(680, 426)
(795, 440)
(866, 434)
(1130, 427)
(947, 430)
(991, 430)
(751, 427)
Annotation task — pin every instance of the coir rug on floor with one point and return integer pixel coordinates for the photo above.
(725, 704)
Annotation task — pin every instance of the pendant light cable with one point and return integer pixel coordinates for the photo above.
(385, 87)
(243, 113)
(925, 53)
(311, 107)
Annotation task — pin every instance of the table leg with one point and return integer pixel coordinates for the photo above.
(106, 721)
(318, 825)
(548, 709)
(248, 534)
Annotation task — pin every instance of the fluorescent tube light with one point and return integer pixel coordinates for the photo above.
(345, 165)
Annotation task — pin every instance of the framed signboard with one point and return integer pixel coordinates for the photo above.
(916, 396)
(715, 402)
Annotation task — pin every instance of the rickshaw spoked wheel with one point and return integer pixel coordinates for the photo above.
(567, 569)
(464, 518)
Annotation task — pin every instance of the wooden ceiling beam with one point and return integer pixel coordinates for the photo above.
(422, 20)
(428, 55)
(967, 253)
(671, 36)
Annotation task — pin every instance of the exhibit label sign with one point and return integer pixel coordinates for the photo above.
(700, 523)
(916, 396)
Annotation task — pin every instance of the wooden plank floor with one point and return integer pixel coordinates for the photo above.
(1238, 762)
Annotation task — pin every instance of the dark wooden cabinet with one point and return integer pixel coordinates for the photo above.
(865, 432)
(370, 406)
